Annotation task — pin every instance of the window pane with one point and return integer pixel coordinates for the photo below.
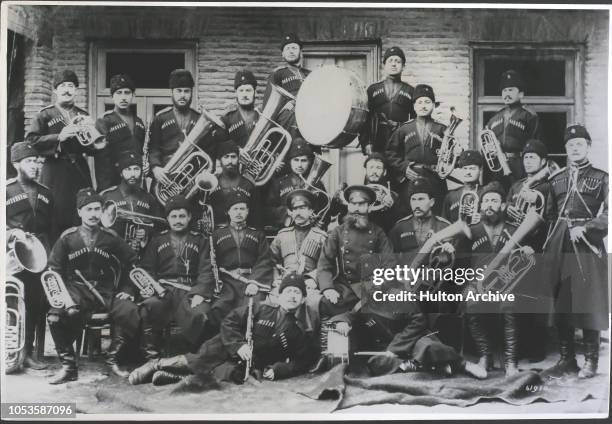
(542, 77)
(149, 70)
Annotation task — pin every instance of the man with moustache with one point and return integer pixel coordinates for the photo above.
(230, 181)
(180, 260)
(29, 207)
(488, 237)
(297, 248)
(513, 126)
(577, 255)
(241, 119)
(390, 103)
(65, 170)
(469, 165)
(284, 337)
(412, 150)
(103, 259)
(129, 195)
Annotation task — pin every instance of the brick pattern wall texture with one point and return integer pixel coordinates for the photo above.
(437, 42)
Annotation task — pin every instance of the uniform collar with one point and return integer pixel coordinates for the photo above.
(237, 227)
(581, 165)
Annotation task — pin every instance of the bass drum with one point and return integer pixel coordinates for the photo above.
(331, 107)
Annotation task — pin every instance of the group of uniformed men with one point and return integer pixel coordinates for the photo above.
(314, 275)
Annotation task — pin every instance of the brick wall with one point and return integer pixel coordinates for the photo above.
(437, 43)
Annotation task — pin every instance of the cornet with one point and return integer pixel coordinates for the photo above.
(134, 221)
(468, 207)
(87, 134)
(24, 251)
(493, 154)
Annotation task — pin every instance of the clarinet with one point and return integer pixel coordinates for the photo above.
(215, 268)
(249, 339)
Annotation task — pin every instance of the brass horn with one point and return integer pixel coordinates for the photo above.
(317, 170)
(269, 141)
(87, 134)
(468, 207)
(134, 221)
(25, 251)
(450, 149)
(56, 292)
(493, 154)
(14, 330)
(382, 193)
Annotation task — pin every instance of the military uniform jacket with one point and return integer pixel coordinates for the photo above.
(120, 140)
(100, 263)
(166, 135)
(341, 254)
(286, 342)
(287, 77)
(297, 248)
(135, 201)
(406, 145)
(21, 214)
(514, 133)
(388, 113)
(406, 233)
(191, 267)
(483, 251)
(238, 125)
(218, 197)
(253, 253)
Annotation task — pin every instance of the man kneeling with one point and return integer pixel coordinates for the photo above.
(285, 340)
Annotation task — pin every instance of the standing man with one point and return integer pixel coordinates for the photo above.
(102, 259)
(241, 119)
(390, 103)
(129, 195)
(513, 126)
(29, 208)
(577, 251)
(413, 149)
(124, 131)
(65, 170)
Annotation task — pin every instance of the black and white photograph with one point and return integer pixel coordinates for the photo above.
(300, 211)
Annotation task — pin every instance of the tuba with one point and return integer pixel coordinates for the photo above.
(14, 330)
(56, 292)
(493, 154)
(450, 149)
(468, 207)
(134, 221)
(382, 193)
(87, 134)
(25, 251)
(503, 276)
(189, 161)
(269, 142)
(317, 170)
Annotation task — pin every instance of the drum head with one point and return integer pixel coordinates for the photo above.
(324, 104)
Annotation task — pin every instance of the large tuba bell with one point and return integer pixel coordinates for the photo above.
(450, 148)
(269, 141)
(87, 134)
(468, 207)
(189, 161)
(493, 154)
(14, 330)
(24, 251)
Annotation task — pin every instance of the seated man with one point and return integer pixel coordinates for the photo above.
(284, 344)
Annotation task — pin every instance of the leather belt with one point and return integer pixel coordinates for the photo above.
(177, 285)
(241, 271)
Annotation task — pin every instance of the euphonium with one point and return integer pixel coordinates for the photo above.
(510, 265)
(14, 330)
(188, 161)
(493, 154)
(317, 170)
(87, 133)
(382, 193)
(269, 141)
(450, 149)
(24, 251)
(468, 207)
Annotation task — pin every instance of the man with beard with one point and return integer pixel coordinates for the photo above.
(469, 164)
(390, 103)
(513, 126)
(488, 237)
(180, 260)
(130, 196)
(95, 254)
(231, 181)
(124, 131)
(300, 157)
(297, 248)
(65, 170)
(577, 255)
(413, 149)
(29, 207)
(241, 120)
(284, 344)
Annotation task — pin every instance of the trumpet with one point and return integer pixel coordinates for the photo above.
(134, 221)
(14, 330)
(56, 292)
(24, 252)
(189, 161)
(269, 142)
(87, 134)
(493, 153)
(450, 149)
(468, 207)
(382, 193)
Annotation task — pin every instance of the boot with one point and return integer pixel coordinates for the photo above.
(510, 344)
(30, 362)
(591, 354)
(477, 330)
(69, 370)
(475, 370)
(152, 341)
(117, 343)
(161, 378)
(144, 374)
(567, 362)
